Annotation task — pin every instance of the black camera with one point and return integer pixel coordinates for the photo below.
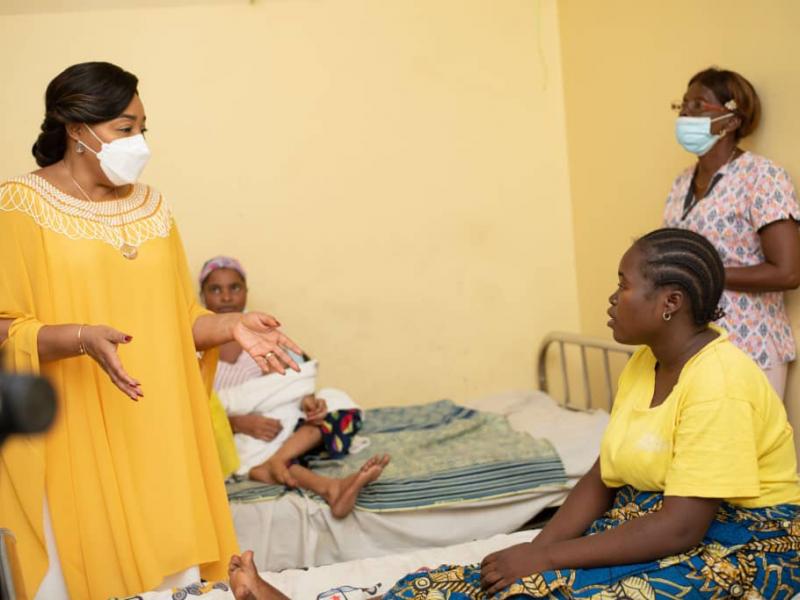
(27, 404)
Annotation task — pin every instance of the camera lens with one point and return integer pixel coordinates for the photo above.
(27, 404)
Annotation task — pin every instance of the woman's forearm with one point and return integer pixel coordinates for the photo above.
(780, 245)
(55, 342)
(674, 529)
(764, 277)
(210, 331)
(586, 502)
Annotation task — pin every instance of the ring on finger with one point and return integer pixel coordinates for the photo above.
(269, 355)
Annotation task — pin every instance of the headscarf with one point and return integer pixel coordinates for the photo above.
(220, 262)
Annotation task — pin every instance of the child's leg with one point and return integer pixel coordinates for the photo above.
(335, 434)
(276, 468)
(305, 438)
(340, 494)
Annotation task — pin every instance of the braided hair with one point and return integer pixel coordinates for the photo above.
(682, 258)
(91, 92)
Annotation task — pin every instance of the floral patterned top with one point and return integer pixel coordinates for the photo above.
(745, 195)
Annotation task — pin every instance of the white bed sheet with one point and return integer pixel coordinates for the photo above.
(386, 571)
(370, 573)
(295, 531)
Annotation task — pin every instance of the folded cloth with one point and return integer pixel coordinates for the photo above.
(276, 396)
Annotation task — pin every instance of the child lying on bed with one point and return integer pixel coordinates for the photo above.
(280, 419)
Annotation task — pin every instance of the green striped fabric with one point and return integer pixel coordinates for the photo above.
(442, 454)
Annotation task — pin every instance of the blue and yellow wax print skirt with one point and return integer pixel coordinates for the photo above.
(747, 553)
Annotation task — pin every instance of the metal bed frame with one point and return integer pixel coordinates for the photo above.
(583, 343)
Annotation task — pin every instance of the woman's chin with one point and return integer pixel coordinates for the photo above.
(619, 337)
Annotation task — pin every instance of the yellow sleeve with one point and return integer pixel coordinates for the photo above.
(715, 452)
(190, 294)
(208, 360)
(22, 272)
(23, 282)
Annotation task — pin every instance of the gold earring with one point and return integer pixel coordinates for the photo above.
(666, 316)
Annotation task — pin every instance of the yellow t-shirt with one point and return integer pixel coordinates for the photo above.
(721, 433)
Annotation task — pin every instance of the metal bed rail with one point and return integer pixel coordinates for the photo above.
(583, 343)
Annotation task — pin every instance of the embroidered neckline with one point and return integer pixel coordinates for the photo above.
(139, 204)
(124, 224)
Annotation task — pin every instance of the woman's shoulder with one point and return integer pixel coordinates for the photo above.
(750, 161)
(20, 190)
(724, 371)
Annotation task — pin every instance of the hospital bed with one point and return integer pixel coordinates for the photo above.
(576, 385)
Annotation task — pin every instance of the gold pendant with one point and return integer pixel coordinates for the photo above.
(128, 251)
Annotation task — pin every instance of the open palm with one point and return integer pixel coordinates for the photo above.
(260, 337)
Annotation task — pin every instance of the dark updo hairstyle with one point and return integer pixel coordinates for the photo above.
(727, 86)
(91, 92)
(682, 258)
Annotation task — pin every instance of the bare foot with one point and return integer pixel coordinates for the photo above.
(349, 487)
(245, 582)
(274, 472)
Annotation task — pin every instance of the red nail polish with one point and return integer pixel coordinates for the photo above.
(128, 338)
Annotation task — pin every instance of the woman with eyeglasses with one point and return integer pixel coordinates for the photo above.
(747, 207)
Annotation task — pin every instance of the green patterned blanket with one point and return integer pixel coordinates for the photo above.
(441, 453)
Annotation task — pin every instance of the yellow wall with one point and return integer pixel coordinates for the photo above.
(624, 62)
(393, 174)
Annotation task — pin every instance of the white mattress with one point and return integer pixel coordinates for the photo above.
(376, 575)
(384, 572)
(294, 531)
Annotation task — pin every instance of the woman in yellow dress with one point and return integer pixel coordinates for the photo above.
(125, 493)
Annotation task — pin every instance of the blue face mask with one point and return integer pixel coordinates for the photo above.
(694, 133)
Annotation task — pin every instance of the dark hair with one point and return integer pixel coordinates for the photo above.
(727, 86)
(682, 258)
(91, 92)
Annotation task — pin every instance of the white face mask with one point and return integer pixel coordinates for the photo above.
(694, 133)
(123, 159)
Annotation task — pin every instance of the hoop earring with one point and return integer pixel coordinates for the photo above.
(666, 316)
(79, 147)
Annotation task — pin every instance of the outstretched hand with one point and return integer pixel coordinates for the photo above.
(500, 569)
(100, 343)
(260, 337)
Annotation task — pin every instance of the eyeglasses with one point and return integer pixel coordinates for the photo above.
(696, 105)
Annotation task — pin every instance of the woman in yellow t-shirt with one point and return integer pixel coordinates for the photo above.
(695, 493)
